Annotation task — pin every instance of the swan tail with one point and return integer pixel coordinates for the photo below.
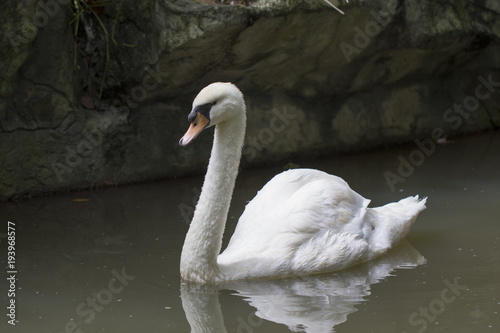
(392, 222)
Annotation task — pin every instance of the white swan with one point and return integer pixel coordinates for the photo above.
(303, 221)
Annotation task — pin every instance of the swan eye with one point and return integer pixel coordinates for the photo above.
(214, 102)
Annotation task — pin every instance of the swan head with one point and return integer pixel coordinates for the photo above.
(216, 103)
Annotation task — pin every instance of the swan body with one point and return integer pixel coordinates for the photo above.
(302, 221)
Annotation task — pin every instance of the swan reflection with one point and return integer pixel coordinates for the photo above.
(304, 304)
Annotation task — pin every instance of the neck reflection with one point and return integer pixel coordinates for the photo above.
(315, 303)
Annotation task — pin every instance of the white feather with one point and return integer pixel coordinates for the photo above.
(306, 221)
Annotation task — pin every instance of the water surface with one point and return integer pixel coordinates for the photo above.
(107, 261)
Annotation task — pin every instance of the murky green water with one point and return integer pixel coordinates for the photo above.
(110, 263)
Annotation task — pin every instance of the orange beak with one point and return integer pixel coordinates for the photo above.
(199, 123)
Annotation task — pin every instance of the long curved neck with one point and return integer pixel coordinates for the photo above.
(204, 239)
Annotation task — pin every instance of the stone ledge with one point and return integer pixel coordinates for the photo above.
(316, 82)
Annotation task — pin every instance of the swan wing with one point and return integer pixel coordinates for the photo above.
(302, 221)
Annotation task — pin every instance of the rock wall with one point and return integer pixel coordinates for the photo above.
(106, 103)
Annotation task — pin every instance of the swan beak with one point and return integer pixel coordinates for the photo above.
(199, 123)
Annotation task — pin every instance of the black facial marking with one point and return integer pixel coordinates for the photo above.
(203, 109)
(192, 116)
